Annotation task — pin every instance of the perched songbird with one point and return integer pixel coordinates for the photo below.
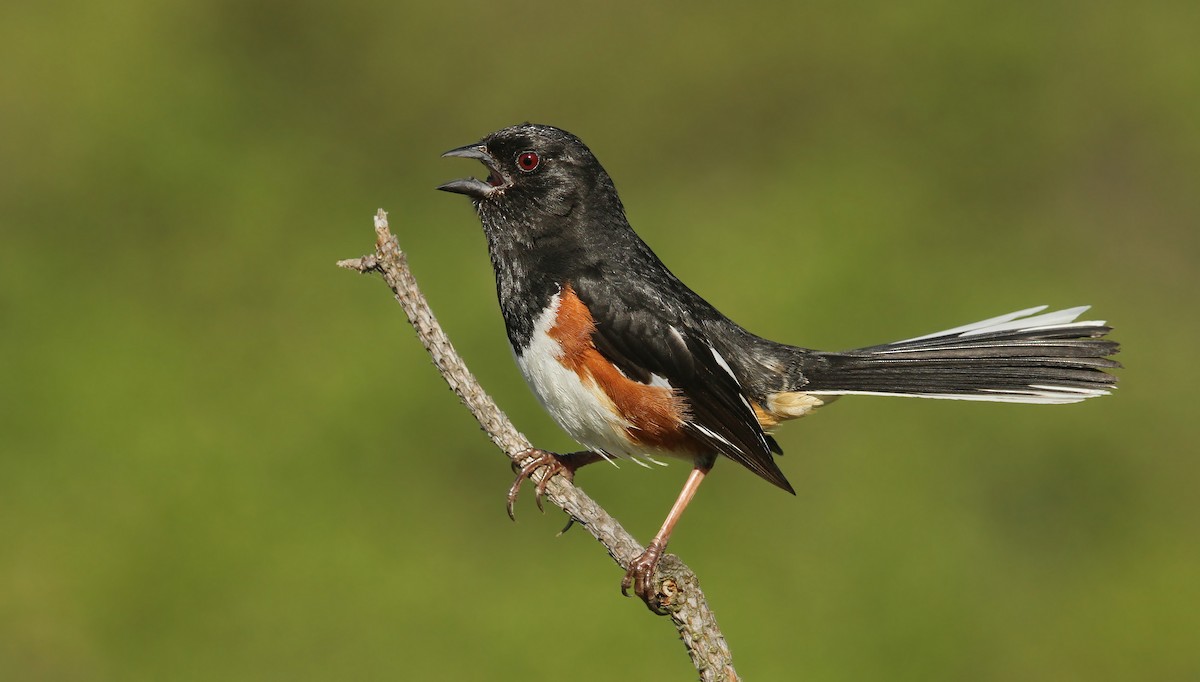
(634, 364)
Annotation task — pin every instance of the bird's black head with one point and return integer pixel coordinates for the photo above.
(533, 168)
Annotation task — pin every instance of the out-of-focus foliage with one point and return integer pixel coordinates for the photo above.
(221, 458)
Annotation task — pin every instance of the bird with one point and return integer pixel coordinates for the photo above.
(633, 364)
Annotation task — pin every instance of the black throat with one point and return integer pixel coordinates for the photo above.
(536, 253)
(524, 285)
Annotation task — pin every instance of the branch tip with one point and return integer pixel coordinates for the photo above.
(368, 263)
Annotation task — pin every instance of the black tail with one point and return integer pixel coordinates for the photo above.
(1022, 357)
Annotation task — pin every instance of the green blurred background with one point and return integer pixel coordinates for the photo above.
(222, 458)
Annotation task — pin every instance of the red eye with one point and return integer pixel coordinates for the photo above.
(527, 161)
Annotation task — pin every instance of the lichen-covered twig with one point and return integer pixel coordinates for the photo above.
(679, 592)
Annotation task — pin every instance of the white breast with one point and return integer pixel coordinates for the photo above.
(576, 403)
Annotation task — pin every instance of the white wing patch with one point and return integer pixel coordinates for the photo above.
(675, 334)
(660, 382)
(725, 366)
(721, 361)
(712, 434)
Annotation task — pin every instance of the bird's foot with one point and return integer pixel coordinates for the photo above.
(559, 465)
(640, 576)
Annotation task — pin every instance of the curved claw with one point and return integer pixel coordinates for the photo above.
(541, 459)
(559, 465)
(640, 576)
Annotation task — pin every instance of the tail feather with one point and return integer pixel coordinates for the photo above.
(1020, 357)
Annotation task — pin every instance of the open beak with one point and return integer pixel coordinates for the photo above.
(473, 187)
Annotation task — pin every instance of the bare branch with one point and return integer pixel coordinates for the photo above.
(679, 592)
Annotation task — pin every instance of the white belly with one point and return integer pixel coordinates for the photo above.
(575, 402)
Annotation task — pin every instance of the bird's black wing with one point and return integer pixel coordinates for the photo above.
(645, 336)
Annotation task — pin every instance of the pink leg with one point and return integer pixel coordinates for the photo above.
(641, 570)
